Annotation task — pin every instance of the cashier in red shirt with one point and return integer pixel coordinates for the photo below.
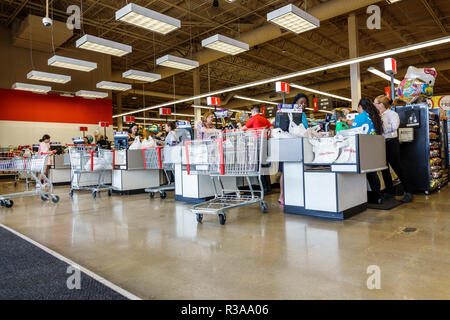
(257, 121)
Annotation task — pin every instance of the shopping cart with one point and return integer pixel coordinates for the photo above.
(235, 154)
(32, 166)
(85, 161)
(159, 158)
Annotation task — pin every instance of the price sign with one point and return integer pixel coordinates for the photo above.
(213, 101)
(281, 87)
(165, 111)
(83, 128)
(128, 119)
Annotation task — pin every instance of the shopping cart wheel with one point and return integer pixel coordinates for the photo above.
(109, 192)
(151, 194)
(94, 194)
(9, 203)
(71, 193)
(222, 218)
(264, 207)
(163, 194)
(44, 197)
(199, 218)
(55, 199)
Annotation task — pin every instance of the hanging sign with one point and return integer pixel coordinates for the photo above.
(213, 101)
(83, 128)
(165, 111)
(103, 124)
(315, 104)
(387, 92)
(390, 66)
(128, 119)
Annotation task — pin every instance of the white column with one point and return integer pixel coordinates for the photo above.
(355, 75)
(196, 85)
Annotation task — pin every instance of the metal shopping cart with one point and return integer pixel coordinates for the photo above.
(236, 154)
(160, 158)
(31, 166)
(85, 161)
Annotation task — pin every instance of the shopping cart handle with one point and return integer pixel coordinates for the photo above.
(45, 153)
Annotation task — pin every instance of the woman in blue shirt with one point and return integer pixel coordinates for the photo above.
(369, 114)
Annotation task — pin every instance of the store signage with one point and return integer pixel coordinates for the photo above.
(289, 108)
(103, 124)
(213, 101)
(390, 66)
(83, 128)
(128, 118)
(387, 92)
(270, 111)
(324, 104)
(281, 87)
(315, 104)
(165, 111)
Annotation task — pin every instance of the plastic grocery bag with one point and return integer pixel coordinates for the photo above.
(136, 145)
(280, 134)
(364, 129)
(296, 130)
(148, 143)
(325, 150)
(99, 164)
(347, 146)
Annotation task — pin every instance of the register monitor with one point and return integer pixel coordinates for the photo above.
(120, 140)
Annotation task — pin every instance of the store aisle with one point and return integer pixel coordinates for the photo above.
(156, 250)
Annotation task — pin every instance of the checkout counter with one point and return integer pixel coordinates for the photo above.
(335, 189)
(60, 170)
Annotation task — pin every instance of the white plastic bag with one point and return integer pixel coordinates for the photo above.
(136, 145)
(280, 134)
(148, 143)
(325, 150)
(296, 130)
(99, 164)
(347, 146)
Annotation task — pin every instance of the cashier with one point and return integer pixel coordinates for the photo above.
(302, 100)
(132, 133)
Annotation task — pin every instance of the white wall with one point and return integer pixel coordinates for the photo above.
(26, 133)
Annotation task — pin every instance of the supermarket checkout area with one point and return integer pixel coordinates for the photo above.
(335, 189)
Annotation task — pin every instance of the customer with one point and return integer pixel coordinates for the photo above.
(172, 137)
(368, 114)
(44, 147)
(257, 121)
(103, 142)
(206, 128)
(302, 100)
(132, 133)
(391, 122)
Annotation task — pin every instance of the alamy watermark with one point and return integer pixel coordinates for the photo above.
(374, 20)
(74, 280)
(374, 280)
(74, 20)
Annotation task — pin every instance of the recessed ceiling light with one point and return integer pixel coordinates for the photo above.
(224, 44)
(177, 62)
(91, 94)
(49, 77)
(69, 63)
(108, 85)
(141, 76)
(31, 87)
(293, 19)
(147, 19)
(97, 44)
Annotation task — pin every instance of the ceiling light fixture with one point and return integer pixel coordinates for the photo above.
(108, 85)
(255, 100)
(382, 75)
(343, 63)
(147, 19)
(224, 44)
(49, 77)
(97, 44)
(177, 62)
(31, 87)
(212, 108)
(69, 63)
(293, 85)
(141, 75)
(293, 19)
(91, 94)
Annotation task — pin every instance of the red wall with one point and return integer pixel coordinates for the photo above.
(28, 106)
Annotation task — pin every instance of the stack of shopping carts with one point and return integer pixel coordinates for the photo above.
(32, 167)
(86, 161)
(236, 153)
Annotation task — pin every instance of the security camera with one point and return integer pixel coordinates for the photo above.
(46, 21)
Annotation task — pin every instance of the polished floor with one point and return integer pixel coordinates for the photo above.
(155, 249)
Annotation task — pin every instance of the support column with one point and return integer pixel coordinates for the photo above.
(119, 111)
(196, 80)
(355, 75)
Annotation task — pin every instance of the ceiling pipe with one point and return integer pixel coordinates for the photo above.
(265, 33)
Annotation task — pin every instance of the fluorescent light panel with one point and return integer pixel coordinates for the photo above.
(293, 85)
(91, 94)
(147, 19)
(74, 64)
(177, 62)
(293, 19)
(382, 75)
(212, 108)
(49, 77)
(255, 100)
(141, 75)
(97, 44)
(31, 87)
(224, 44)
(343, 63)
(108, 85)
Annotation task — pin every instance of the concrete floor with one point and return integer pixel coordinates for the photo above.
(156, 250)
